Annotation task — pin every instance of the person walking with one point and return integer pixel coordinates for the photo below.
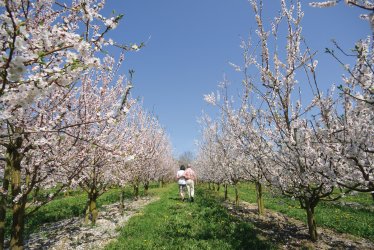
(181, 181)
(190, 176)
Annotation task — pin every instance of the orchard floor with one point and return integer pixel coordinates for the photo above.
(289, 233)
(279, 230)
(75, 234)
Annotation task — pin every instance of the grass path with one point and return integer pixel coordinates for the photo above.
(171, 224)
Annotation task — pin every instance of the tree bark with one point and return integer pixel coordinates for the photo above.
(371, 186)
(36, 193)
(92, 212)
(18, 225)
(146, 187)
(236, 196)
(136, 191)
(67, 192)
(4, 198)
(259, 198)
(225, 188)
(19, 201)
(312, 226)
(122, 202)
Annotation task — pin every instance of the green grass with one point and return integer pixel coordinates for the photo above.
(365, 199)
(356, 221)
(171, 224)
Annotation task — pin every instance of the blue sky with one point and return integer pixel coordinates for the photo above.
(189, 45)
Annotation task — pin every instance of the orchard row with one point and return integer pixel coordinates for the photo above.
(283, 131)
(67, 116)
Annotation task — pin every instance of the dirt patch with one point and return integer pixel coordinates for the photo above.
(290, 233)
(73, 233)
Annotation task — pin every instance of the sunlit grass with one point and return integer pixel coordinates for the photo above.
(171, 224)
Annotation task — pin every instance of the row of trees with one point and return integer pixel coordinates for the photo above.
(67, 117)
(276, 135)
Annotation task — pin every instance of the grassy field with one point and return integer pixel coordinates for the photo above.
(357, 220)
(172, 224)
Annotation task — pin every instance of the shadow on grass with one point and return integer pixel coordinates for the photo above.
(175, 198)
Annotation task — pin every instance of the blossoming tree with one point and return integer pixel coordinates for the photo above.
(47, 46)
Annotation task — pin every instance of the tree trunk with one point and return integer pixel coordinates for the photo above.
(146, 187)
(236, 196)
(260, 199)
(36, 193)
(225, 188)
(67, 192)
(218, 187)
(19, 201)
(92, 213)
(122, 202)
(209, 185)
(4, 198)
(371, 186)
(18, 225)
(136, 191)
(312, 226)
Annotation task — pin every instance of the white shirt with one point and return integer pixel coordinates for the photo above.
(181, 179)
